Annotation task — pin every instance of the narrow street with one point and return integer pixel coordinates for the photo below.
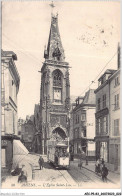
(50, 177)
(74, 177)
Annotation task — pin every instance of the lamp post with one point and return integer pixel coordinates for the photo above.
(86, 153)
(68, 126)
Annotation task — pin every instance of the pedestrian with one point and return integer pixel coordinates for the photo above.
(41, 162)
(81, 163)
(16, 171)
(102, 164)
(97, 166)
(104, 173)
(22, 178)
(24, 170)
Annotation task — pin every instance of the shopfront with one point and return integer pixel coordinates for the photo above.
(102, 148)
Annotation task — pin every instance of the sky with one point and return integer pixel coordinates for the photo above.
(90, 32)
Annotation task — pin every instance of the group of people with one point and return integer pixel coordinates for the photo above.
(22, 172)
(100, 168)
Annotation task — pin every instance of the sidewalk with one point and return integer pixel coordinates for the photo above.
(8, 180)
(112, 176)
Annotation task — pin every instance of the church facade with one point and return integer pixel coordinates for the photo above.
(55, 89)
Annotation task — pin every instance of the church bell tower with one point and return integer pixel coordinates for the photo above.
(55, 89)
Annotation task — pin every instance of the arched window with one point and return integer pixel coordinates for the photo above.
(57, 86)
(57, 78)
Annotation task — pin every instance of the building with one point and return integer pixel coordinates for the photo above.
(108, 118)
(28, 131)
(102, 115)
(114, 135)
(10, 88)
(20, 123)
(84, 125)
(36, 143)
(55, 88)
(36, 117)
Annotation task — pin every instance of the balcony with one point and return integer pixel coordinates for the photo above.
(101, 113)
(105, 133)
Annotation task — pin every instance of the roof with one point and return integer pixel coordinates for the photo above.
(89, 97)
(9, 54)
(54, 41)
(89, 100)
(108, 71)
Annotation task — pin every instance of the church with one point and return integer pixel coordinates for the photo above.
(55, 89)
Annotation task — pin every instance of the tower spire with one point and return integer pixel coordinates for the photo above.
(52, 7)
(55, 49)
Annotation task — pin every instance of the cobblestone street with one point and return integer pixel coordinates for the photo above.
(74, 177)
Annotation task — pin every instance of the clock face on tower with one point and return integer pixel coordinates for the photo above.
(57, 95)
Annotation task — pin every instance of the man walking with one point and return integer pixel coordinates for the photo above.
(104, 173)
(41, 162)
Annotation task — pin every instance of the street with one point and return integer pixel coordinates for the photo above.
(51, 177)
(60, 95)
(74, 177)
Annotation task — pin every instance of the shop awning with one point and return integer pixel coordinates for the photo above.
(19, 148)
(20, 153)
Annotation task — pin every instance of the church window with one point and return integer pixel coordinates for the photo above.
(57, 79)
(57, 86)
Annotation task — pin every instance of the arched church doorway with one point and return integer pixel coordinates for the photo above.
(59, 134)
